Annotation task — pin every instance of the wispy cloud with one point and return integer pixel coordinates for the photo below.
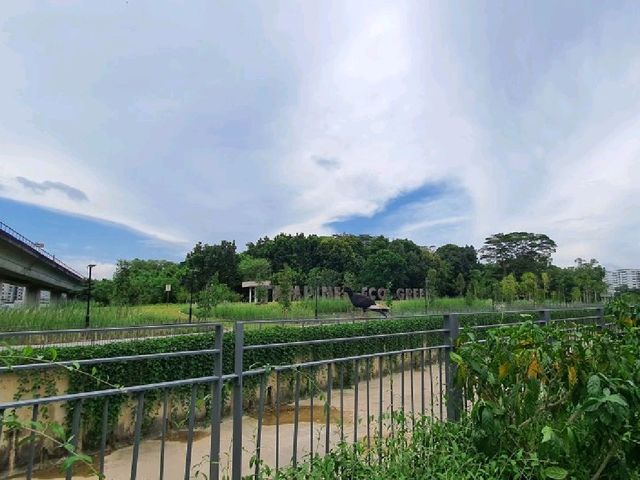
(43, 187)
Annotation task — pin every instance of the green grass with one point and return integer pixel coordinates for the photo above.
(72, 315)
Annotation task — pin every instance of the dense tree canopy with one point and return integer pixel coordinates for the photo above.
(515, 265)
(143, 281)
(207, 260)
(518, 252)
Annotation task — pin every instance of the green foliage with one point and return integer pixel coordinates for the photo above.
(138, 282)
(529, 285)
(518, 252)
(212, 296)
(207, 260)
(456, 261)
(509, 288)
(460, 285)
(418, 448)
(573, 399)
(284, 280)
(251, 268)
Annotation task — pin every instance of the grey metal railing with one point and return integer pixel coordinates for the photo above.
(279, 414)
(95, 336)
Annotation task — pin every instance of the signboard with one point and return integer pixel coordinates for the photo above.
(167, 287)
(308, 292)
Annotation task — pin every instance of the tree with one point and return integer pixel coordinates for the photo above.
(546, 284)
(576, 294)
(284, 280)
(207, 260)
(518, 252)
(384, 267)
(102, 291)
(460, 284)
(432, 283)
(456, 261)
(214, 294)
(589, 277)
(509, 288)
(529, 285)
(250, 268)
(143, 281)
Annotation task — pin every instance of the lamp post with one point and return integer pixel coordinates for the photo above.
(87, 318)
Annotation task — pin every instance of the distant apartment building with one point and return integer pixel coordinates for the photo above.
(625, 276)
(11, 293)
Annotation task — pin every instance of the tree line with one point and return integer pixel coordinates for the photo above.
(507, 267)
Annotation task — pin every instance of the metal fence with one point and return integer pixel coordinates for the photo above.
(100, 336)
(233, 424)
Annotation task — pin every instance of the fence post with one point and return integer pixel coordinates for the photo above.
(600, 315)
(544, 316)
(216, 407)
(236, 458)
(454, 394)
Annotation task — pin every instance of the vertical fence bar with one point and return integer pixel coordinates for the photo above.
(296, 419)
(390, 360)
(440, 383)
(454, 397)
(1, 424)
(402, 382)
(600, 315)
(380, 410)
(236, 455)
(32, 441)
(311, 383)
(216, 407)
(103, 435)
(163, 437)
(277, 421)
(431, 394)
(341, 401)
(422, 380)
(327, 432)
(192, 421)
(263, 382)
(368, 410)
(75, 432)
(137, 434)
(544, 316)
(413, 405)
(355, 401)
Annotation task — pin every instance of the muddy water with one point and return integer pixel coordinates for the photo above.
(311, 430)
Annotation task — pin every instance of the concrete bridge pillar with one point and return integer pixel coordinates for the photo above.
(32, 296)
(55, 298)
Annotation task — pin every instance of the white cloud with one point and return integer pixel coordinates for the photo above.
(100, 271)
(218, 134)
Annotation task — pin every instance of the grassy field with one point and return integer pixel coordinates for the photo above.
(72, 315)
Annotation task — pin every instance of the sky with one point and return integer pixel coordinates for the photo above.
(138, 128)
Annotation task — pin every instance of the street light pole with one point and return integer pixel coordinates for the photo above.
(88, 317)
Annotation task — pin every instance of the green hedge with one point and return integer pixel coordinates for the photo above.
(162, 370)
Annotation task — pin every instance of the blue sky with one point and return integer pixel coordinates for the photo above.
(139, 128)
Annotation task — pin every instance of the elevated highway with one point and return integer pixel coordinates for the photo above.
(25, 263)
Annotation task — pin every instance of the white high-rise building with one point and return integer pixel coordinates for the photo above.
(625, 276)
(11, 293)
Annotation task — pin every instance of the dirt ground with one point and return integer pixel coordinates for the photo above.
(311, 430)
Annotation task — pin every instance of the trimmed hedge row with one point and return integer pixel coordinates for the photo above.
(162, 370)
